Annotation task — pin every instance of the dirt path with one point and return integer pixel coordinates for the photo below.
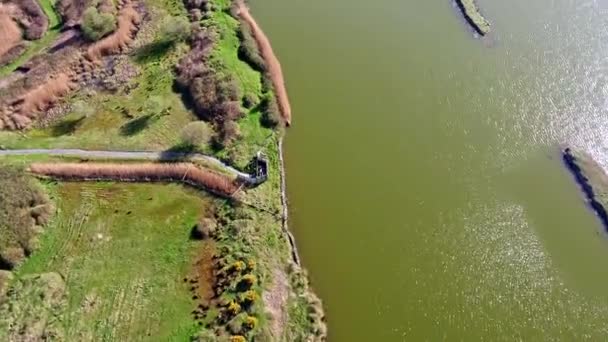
(276, 303)
(274, 67)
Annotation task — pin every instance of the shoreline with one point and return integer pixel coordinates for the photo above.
(285, 210)
(471, 14)
(592, 180)
(272, 62)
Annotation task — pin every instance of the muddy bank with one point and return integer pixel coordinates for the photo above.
(592, 180)
(473, 16)
(272, 62)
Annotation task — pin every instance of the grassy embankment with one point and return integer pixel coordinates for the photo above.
(120, 121)
(36, 47)
(474, 17)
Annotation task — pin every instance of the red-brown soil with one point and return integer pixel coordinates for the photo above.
(202, 277)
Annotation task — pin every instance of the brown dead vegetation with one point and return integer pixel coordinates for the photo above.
(31, 17)
(10, 34)
(71, 11)
(272, 62)
(128, 23)
(36, 100)
(47, 78)
(47, 94)
(142, 172)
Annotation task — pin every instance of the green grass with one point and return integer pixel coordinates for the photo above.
(48, 6)
(123, 250)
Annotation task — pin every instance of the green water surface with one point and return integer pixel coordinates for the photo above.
(428, 198)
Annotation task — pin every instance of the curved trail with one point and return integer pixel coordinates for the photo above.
(274, 66)
(132, 155)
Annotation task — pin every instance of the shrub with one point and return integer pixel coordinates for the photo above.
(156, 105)
(22, 206)
(205, 228)
(248, 49)
(174, 29)
(234, 307)
(271, 115)
(238, 266)
(251, 322)
(12, 257)
(250, 100)
(196, 133)
(97, 25)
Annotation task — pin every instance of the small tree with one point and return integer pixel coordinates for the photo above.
(196, 133)
(174, 29)
(97, 25)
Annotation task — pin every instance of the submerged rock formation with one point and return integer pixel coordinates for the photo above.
(591, 178)
(473, 16)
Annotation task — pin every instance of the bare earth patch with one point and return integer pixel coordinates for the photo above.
(275, 300)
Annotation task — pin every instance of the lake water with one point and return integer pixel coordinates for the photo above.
(428, 197)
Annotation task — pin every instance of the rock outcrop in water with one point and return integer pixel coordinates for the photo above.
(473, 16)
(591, 178)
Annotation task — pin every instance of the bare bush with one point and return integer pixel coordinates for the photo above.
(10, 34)
(205, 228)
(71, 11)
(33, 19)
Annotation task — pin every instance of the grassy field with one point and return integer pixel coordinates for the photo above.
(136, 236)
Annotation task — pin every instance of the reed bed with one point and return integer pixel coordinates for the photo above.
(128, 21)
(141, 172)
(274, 66)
